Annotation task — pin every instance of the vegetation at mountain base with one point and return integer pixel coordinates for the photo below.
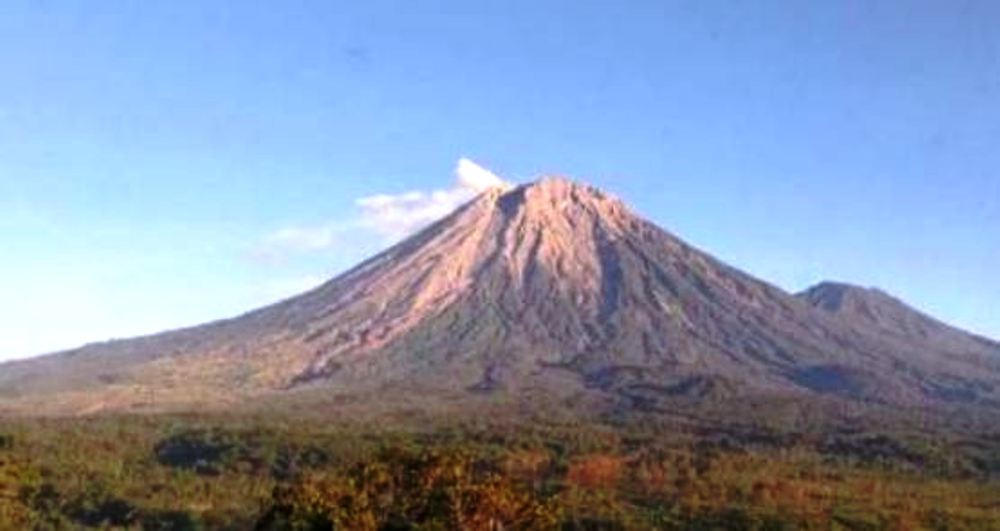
(275, 472)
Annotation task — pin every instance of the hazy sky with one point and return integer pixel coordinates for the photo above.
(164, 163)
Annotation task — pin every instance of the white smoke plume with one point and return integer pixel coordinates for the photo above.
(396, 216)
(390, 216)
(477, 178)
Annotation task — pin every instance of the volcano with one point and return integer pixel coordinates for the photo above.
(553, 285)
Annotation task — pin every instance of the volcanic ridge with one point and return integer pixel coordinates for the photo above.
(553, 285)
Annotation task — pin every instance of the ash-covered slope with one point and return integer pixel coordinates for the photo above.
(873, 308)
(909, 330)
(551, 285)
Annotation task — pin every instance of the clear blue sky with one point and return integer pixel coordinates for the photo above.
(164, 163)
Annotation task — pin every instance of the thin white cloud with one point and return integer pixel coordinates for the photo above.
(477, 178)
(283, 243)
(396, 216)
(391, 217)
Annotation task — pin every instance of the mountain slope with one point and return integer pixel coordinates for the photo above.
(909, 330)
(871, 307)
(554, 286)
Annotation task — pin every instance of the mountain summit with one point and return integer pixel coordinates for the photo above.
(553, 285)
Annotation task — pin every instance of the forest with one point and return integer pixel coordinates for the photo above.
(273, 472)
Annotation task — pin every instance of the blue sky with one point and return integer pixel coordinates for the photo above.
(165, 163)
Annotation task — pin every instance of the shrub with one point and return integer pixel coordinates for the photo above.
(449, 490)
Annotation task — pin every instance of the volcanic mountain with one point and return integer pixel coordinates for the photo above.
(553, 285)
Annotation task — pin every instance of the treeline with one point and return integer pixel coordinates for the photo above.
(278, 474)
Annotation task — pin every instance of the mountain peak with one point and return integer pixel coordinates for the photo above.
(874, 308)
(835, 296)
(556, 196)
(561, 187)
(557, 183)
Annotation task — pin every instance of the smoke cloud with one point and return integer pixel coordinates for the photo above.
(396, 216)
(391, 217)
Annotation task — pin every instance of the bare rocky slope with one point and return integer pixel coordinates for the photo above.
(553, 285)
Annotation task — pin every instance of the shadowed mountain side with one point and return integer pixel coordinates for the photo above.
(552, 285)
(871, 307)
